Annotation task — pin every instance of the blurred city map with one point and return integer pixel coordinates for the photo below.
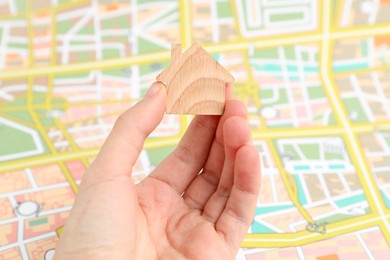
(315, 76)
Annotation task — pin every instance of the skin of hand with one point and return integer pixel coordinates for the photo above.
(197, 204)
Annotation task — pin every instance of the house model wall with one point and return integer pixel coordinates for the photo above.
(195, 82)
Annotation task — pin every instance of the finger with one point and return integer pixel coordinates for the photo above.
(124, 144)
(205, 184)
(238, 213)
(236, 134)
(229, 91)
(185, 162)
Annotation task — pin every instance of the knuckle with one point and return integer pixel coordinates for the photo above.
(224, 191)
(210, 177)
(119, 121)
(183, 153)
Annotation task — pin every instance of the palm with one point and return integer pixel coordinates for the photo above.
(181, 232)
(175, 213)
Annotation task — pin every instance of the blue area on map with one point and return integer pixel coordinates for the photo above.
(307, 167)
(263, 210)
(258, 228)
(301, 167)
(348, 67)
(290, 68)
(336, 166)
(301, 194)
(351, 200)
(386, 199)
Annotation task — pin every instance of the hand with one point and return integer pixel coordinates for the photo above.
(197, 204)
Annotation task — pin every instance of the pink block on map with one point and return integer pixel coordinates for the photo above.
(76, 169)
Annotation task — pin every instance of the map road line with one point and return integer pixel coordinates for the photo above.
(162, 56)
(55, 158)
(355, 151)
(52, 158)
(285, 177)
(87, 66)
(304, 237)
(185, 23)
(320, 131)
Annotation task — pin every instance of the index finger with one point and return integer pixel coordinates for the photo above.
(124, 144)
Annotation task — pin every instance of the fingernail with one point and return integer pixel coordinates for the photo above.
(153, 90)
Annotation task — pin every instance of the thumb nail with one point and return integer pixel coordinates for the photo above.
(153, 89)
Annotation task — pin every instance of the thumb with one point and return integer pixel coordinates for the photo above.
(124, 144)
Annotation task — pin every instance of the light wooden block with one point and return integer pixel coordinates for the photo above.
(195, 82)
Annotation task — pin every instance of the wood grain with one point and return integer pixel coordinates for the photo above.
(195, 82)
